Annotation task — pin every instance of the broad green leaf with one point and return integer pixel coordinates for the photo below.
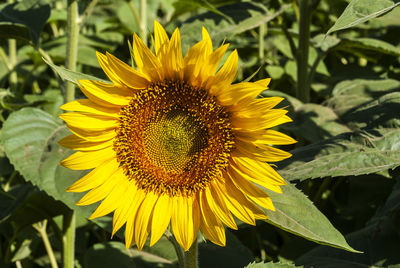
(315, 122)
(379, 241)
(368, 47)
(272, 265)
(296, 214)
(359, 11)
(23, 20)
(247, 16)
(30, 139)
(72, 76)
(348, 154)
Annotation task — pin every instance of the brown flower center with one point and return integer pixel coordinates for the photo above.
(173, 138)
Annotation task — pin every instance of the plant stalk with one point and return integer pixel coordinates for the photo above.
(69, 239)
(191, 256)
(72, 45)
(143, 21)
(12, 54)
(303, 83)
(41, 228)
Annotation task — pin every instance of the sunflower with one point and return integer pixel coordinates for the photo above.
(174, 142)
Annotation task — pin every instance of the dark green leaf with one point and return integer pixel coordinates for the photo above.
(359, 11)
(272, 265)
(295, 213)
(23, 20)
(357, 153)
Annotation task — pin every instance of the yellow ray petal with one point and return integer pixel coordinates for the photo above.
(185, 221)
(251, 190)
(114, 198)
(256, 123)
(255, 106)
(89, 121)
(239, 92)
(193, 62)
(146, 61)
(101, 191)
(218, 206)
(236, 203)
(261, 152)
(207, 39)
(258, 172)
(268, 136)
(121, 213)
(131, 216)
(212, 62)
(143, 218)
(127, 75)
(103, 61)
(161, 217)
(88, 160)
(95, 178)
(174, 62)
(76, 143)
(93, 135)
(210, 225)
(225, 75)
(160, 37)
(104, 94)
(88, 106)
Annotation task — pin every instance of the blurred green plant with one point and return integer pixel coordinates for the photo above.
(335, 62)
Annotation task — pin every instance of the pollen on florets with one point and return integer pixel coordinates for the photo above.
(173, 138)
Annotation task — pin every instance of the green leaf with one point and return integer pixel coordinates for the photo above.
(72, 76)
(272, 265)
(368, 47)
(379, 241)
(361, 152)
(23, 20)
(30, 139)
(359, 11)
(352, 93)
(296, 214)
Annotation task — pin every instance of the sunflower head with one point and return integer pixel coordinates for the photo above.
(174, 142)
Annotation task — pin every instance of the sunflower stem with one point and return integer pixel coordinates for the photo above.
(178, 249)
(41, 228)
(143, 21)
(191, 256)
(69, 239)
(303, 85)
(12, 53)
(72, 45)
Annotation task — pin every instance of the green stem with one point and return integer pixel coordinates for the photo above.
(12, 54)
(69, 239)
(41, 228)
(178, 249)
(191, 256)
(143, 21)
(261, 35)
(72, 45)
(303, 84)
(88, 11)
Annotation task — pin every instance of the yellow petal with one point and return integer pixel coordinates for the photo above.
(268, 136)
(225, 75)
(258, 172)
(121, 213)
(160, 37)
(104, 94)
(76, 143)
(161, 218)
(218, 206)
(207, 39)
(114, 198)
(185, 221)
(174, 63)
(146, 61)
(212, 62)
(127, 75)
(88, 160)
(143, 219)
(239, 92)
(95, 178)
(103, 61)
(131, 216)
(89, 121)
(261, 152)
(93, 135)
(251, 190)
(101, 191)
(88, 106)
(256, 123)
(193, 63)
(255, 106)
(210, 225)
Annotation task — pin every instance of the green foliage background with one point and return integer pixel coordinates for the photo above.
(344, 190)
